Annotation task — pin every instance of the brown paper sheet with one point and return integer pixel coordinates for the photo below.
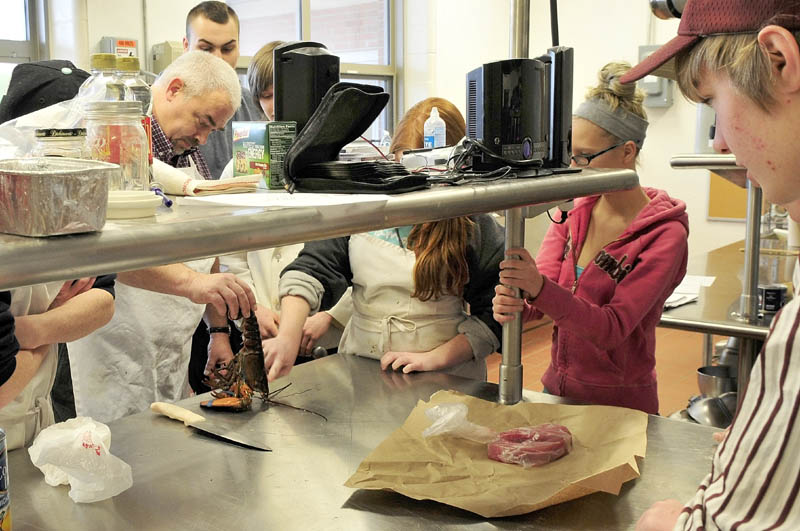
(458, 472)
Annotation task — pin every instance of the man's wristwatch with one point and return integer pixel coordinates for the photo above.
(219, 330)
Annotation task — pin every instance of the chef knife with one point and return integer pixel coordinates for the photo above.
(199, 422)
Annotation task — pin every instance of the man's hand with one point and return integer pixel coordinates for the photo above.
(71, 288)
(519, 270)
(219, 352)
(313, 329)
(661, 516)
(268, 321)
(279, 355)
(505, 304)
(228, 294)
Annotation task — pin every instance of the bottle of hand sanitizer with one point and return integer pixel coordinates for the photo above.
(434, 130)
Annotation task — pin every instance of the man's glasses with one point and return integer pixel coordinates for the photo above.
(584, 160)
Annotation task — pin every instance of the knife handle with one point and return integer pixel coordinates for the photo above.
(176, 412)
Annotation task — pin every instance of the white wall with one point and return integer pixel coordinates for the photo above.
(76, 26)
(447, 38)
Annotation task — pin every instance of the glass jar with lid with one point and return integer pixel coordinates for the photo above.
(115, 134)
(60, 143)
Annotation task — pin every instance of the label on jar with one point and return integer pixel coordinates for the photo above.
(105, 143)
(771, 298)
(60, 133)
(148, 128)
(5, 507)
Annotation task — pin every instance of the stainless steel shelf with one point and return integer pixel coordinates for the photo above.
(723, 165)
(187, 233)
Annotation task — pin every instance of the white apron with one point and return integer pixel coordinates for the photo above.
(140, 356)
(31, 411)
(385, 315)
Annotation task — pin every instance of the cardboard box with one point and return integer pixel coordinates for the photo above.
(260, 147)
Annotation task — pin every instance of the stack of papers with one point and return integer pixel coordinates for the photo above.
(687, 291)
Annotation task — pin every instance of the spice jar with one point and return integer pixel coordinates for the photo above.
(60, 143)
(115, 134)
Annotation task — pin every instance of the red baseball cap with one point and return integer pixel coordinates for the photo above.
(702, 18)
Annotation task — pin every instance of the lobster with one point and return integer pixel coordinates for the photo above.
(235, 382)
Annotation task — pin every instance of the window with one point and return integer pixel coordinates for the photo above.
(262, 21)
(21, 39)
(359, 32)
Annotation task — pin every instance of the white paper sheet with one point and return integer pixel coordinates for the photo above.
(282, 199)
(688, 290)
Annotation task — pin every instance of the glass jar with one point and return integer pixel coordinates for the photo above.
(115, 134)
(60, 143)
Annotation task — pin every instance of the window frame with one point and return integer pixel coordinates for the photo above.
(34, 48)
(389, 72)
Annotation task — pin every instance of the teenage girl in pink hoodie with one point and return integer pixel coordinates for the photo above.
(604, 274)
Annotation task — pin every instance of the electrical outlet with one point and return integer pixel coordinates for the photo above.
(657, 90)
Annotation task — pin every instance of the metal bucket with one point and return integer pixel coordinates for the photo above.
(714, 380)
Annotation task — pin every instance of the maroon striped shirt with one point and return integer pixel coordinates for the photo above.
(755, 474)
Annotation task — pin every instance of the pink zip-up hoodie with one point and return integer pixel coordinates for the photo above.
(604, 335)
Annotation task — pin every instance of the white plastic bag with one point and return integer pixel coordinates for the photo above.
(452, 419)
(77, 452)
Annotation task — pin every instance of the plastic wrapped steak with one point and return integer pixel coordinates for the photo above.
(531, 446)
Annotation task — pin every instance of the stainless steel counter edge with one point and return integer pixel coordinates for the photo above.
(134, 245)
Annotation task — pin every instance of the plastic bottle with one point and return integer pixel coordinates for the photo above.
(128, 74)
(434, 131)
(137, 90)
(103, 84)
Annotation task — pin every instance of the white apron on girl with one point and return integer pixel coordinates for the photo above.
(385, 315)
(31, 411)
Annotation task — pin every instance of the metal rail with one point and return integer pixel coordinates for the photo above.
(189, 233)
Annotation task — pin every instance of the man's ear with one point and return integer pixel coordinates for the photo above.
(784, 55)
(173, 88)
(185, 44)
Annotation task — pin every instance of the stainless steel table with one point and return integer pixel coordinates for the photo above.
(711, 314)
(185, 480)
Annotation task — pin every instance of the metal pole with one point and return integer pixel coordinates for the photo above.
(708, 349)
(511, 365)
(520, 26)
(748, 302)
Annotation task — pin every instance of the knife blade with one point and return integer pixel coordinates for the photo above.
(199, 422)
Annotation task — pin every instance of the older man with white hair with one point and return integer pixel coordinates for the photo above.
(142, 355)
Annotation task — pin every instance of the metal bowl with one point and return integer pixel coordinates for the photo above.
(714, 380)
(711, 411)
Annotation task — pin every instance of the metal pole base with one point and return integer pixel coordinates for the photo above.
(510, 384)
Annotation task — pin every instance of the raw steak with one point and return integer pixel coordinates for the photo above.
(531, 446)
